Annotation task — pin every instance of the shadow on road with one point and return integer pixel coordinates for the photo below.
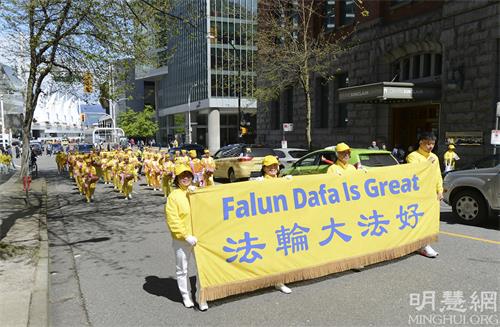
(493, 221)
(166, 287)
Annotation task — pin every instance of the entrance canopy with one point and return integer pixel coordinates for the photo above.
(387, 92)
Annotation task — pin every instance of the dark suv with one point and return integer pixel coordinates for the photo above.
(240, 161)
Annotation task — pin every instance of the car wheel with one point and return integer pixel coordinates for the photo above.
(470, 207)
(231, 176)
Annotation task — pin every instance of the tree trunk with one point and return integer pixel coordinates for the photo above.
(28, 118)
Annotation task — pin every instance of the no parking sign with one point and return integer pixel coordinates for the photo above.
(495, 137)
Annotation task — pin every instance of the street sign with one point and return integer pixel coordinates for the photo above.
(287, 127)
(495, 137)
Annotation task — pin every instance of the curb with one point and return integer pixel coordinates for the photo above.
(39, 303)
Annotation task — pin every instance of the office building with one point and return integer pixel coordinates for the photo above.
(208, 80)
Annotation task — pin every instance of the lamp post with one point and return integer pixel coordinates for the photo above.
(239, 90)
(189, 131)
(3, 122)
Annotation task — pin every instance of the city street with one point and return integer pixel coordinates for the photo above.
(111, 264)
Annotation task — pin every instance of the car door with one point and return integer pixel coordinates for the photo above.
(488, 170)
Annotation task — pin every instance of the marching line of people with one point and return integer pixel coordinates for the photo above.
(122, 168)
(178, 175)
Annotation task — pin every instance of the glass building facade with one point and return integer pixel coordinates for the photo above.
(211, 69)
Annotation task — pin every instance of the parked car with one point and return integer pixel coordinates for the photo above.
(240, 161)
(85, 148)
(317, 162)
(288, 156)
(188, 146)
(57, 147)
(473, 193)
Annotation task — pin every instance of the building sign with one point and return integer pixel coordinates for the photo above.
(287, 127)
(495, 137)
(464, 138)
(387, 92)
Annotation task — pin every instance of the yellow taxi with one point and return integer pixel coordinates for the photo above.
(240, 161)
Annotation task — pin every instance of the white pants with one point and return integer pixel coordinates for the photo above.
(183, 251)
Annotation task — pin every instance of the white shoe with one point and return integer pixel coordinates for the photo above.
(130, 196)
(188, 303)
(203, 306)
(283, 288)
(428, 251)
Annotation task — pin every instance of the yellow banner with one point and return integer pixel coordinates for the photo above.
(259, 233)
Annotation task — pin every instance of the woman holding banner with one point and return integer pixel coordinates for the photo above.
(270, 169)
(178, 214)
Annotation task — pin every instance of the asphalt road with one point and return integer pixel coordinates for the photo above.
(111, 264)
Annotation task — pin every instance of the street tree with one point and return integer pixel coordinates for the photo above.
(64, 40)
(293, 47)
(138, 124)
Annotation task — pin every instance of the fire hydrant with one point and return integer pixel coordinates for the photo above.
(26, 183)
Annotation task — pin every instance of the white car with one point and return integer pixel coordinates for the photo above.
(288, 156)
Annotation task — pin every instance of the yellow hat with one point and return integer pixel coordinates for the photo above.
(180, 168)
(183, 151)
(192, 153)
(270, 160)
(451, 147)
(341, 147)
(206, 151)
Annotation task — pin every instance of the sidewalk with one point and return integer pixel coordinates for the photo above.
(24, 283)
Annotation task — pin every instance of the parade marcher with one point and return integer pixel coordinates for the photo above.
(426, 143)
(167, 174)
(270, 170)
(128, 177)
(449, 158)
(196, 167)
(208, 165)
(90, 179)
(178, 216)
(342, 164)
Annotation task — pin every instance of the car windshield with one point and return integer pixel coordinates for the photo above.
(377, 160)
(297, 153)
(261, 152)
(488, 162)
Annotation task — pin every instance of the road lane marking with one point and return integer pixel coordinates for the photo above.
(470, 237)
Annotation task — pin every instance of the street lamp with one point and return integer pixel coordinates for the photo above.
(238, 89)
(189, 131)
(3, 122)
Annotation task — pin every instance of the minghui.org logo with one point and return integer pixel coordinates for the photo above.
(453, 320)
(454, 308)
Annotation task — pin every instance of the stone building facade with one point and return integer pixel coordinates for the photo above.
(440, 59)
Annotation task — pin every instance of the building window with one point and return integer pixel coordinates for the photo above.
(347, 12)
(274, 107)
(322, 103)
(417, 66)
(330, 14)
(341, 117)
(288, 105)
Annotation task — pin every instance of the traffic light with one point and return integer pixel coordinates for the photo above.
(87, 83)
(82, 117)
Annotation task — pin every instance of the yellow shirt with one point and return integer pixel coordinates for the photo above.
(178, 214)
(339, 168)
(422, 156)
(449, 158)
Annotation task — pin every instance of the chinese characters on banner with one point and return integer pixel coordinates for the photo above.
(259, 233)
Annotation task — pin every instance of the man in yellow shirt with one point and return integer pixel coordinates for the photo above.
(426, 143)
(341, 165)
